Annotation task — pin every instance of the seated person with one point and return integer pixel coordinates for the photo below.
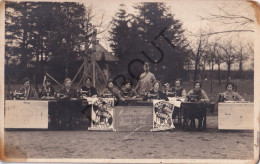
(155, 93)
(111, 91)
(178, 90)
(127, 90)
(68, 92)
(168, 90)
(26, 92)
(47, 90)
(197, 94)
(229, 94)
(88, 90)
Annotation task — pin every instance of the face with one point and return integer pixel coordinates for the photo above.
(127, 85)
(197, 86)
(88, 82)
(146, 68)
(177, 83)
(27, 84)
(229, 87)
(68, 84)
(156, 86)
(110, 85)
(167, 87)
(48, 83)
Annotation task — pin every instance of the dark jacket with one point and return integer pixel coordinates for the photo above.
(156, 95)
(71, 94)
(91, 91)
(32, 93)
(44, 92)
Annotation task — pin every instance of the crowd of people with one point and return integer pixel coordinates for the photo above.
(147, 87)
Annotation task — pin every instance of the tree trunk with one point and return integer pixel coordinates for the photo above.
(211, 79)
(240, 69)
(219, 78)
(195, 71)
(228, 75)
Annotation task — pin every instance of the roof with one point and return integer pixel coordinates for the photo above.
(101, 51)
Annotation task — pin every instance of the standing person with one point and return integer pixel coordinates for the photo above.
(47, 90)
(229, 94)
(127, 90)
(27, 91)
(155, 93)
(146, 81)
(88, 90)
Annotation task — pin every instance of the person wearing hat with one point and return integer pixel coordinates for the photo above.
(68, 92)
(88, 90)
(146, 81)
(127, 90)
(28, 92)
(47, 90)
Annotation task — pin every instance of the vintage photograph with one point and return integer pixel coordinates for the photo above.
(104, 81)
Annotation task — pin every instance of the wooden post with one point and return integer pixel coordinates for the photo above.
(93, 57)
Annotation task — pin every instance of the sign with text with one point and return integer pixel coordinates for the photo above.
(26, 114)
(133, 118)
(236, 116)
(162, 115)
(102, 114)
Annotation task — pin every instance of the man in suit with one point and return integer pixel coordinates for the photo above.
(28, 92)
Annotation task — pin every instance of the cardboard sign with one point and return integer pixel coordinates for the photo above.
(133, 118)
(162, 115)
(236, 116)
(26, 114)
(102, 114)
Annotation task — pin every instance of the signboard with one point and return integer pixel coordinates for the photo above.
(102, 114)
(26, 114)
(236, 116)
(162, 115)
(133, 118)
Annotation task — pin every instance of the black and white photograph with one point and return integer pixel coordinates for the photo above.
(138, 81)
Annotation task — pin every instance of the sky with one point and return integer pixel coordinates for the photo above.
(189, 12)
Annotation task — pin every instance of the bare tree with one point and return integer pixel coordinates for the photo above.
(233, 17)
(242, 56)
(229, 56)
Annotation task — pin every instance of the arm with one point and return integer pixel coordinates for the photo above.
(204, 96)
(240, 98)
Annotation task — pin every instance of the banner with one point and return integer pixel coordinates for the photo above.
(102, 114)
(162, 115)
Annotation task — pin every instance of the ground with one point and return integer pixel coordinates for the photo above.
(178, 144)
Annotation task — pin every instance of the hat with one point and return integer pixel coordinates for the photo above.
(67, 79)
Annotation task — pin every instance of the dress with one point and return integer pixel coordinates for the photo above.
(196, 95)
(46, 90)
(91, 91)
(156, 95)
(231, 96)
(128, 92)
(29, 93)
(145, 83)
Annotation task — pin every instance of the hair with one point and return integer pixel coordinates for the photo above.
(67, 79)
(47, 80)
(178, 80)
(232, 84)
(126, 82)
(156, 82)
(88, 78)
(27, 79)
(110, 81)
(196, 83)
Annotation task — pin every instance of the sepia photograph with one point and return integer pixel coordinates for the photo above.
(138, 81)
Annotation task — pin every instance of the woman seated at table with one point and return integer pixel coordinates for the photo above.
(111, 91)
(68, 92)
(178, 90)
(47, 90)
(229, 94)
(155, 93)
(197, 94)
(127, 90)
(88, 90)
(168, 90)
(26, 92)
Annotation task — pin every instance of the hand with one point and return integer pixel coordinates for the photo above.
(148, 95)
